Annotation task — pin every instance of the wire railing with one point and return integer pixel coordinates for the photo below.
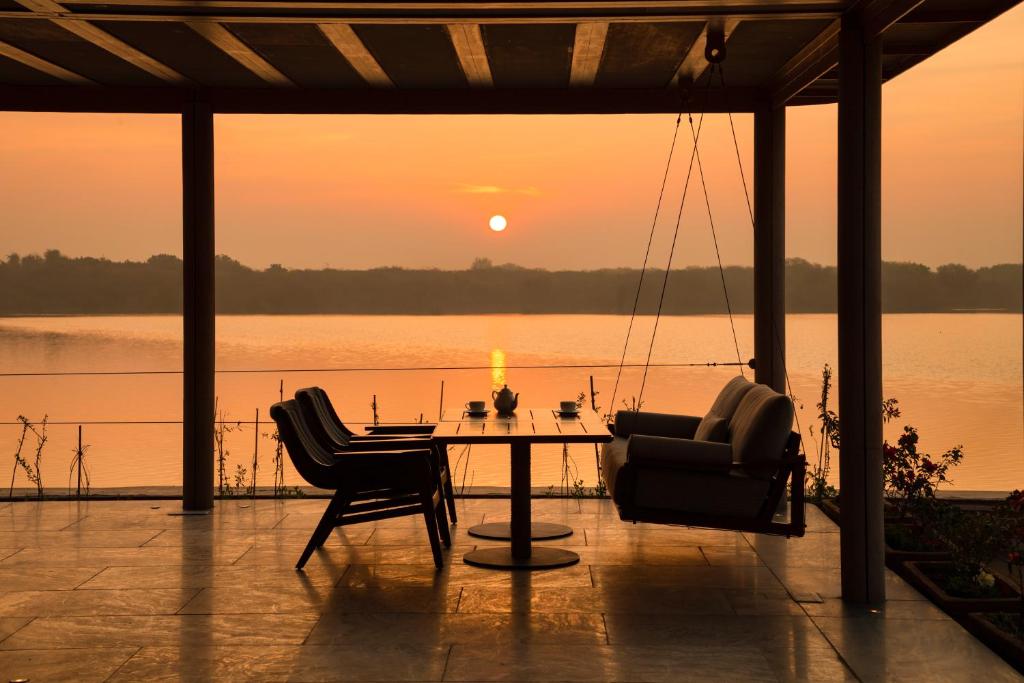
(417, 368)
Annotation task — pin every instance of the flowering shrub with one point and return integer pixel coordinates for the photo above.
(912, 476)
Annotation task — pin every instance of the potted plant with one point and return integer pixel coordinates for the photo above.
(965, 584)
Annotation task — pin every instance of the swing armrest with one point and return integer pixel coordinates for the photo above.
(628, 422)
(679, 454)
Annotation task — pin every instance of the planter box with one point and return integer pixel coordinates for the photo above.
(894, 556)
(915, 574)
(830, 506)
(999, 641)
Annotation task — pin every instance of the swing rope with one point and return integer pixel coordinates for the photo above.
(750, 211)
(647, 254)
(675, 235)
(718, 254)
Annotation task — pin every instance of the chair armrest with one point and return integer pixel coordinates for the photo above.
(397, 429)
(363, 438)
(370, 445)
(628, 422)
(663, 452)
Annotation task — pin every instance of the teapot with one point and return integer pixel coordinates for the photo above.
(505, 401)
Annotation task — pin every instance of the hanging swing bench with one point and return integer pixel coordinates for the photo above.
(731, 468)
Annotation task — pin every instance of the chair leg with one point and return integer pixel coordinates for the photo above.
(446, 480)
(327, 532)
(442, 522)
(427, 502)
(323, 529)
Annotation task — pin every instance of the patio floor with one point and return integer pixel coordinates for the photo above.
(107, 590)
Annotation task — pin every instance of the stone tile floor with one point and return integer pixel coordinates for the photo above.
(122, 591)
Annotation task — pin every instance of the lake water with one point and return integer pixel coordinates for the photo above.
(958, 378)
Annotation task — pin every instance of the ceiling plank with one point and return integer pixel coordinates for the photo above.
(351, 48)
(230, 44)
(588, 47)
(100, 38)
(694, 64)
(48, 68)
(469, 46)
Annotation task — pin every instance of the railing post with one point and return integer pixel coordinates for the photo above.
(198, 306)
(859, 263)
(770, 246)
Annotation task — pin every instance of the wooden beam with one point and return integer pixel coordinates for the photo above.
(880, 15)
(588, 47)
(230, 44)
(859, 285)
(372, 101)
(816, 59)
(290, 13)
(694, 64)
(543, 10)
(100, 38)
(352, 49)
(42, 65)
(770, 247)
(199, 320)
(469, 46)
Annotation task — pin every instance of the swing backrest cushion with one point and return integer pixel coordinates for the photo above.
(760, 426)
(715, 426)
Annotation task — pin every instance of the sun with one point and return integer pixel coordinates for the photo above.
(497, 223)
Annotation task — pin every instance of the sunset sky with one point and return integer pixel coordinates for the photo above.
(578, 192)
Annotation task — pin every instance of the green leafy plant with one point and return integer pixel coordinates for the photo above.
(827, 438)
(974, 538)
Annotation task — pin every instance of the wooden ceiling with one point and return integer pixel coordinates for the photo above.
(543, 56)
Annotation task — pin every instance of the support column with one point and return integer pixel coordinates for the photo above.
(198, 307)
(860, 312)
(770, 246)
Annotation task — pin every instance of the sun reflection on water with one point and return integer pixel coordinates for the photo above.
(497, 369)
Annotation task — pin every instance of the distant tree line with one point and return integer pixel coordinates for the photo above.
(55, 284)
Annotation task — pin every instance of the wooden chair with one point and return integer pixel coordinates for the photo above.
(368, 485)
(320, 414)
(727, 470)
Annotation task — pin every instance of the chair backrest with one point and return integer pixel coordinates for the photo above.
(760, 427)
(322, 418)
(313, 462)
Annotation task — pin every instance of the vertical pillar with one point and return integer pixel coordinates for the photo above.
(770, 246)
(198, 306)
(860, 312)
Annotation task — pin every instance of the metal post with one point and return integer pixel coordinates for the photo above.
(198, 306)
(770, 246)
(860, 312)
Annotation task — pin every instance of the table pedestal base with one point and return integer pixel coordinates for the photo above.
(502, 531)
(541, 557)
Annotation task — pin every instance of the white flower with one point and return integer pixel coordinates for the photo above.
(985, 579)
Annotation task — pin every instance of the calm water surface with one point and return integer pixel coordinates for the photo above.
(958, 378)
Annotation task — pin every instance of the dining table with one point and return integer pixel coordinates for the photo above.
(520, 430)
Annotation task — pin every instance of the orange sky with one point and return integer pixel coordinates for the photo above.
(360, 191)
